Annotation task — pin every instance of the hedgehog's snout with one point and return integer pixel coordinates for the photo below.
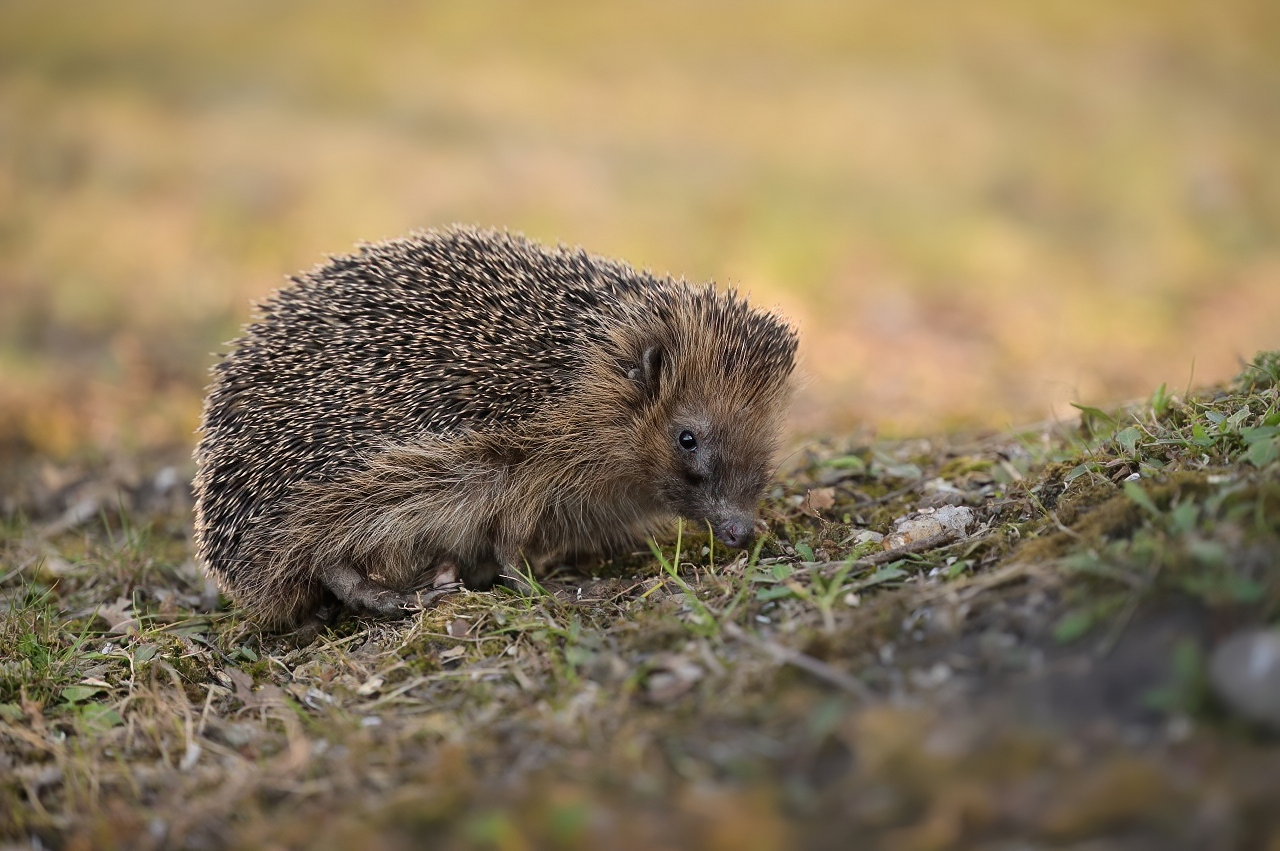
(738, 530)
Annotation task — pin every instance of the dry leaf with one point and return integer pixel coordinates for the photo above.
(118, 618)
(820, 499)
(264, 698)
(240, 681)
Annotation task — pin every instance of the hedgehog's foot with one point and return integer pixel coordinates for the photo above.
(363, 594)
(438, 582)
(430, 596)
(445, 574)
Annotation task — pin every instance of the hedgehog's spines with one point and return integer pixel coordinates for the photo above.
(464, 396)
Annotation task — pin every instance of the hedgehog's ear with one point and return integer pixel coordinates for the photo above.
(648, 374)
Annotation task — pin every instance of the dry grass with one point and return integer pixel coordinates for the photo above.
(1039, 680)
(1054, 201)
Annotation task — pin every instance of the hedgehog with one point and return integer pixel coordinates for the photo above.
(464, 407)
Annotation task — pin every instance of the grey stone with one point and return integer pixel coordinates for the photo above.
(1245, 673)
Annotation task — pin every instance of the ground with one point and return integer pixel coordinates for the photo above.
(1035, 675)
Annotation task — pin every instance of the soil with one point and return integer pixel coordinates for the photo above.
(1038, 682)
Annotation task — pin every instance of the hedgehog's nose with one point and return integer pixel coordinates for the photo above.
(736, 531)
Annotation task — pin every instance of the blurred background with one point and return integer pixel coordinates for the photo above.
(977, 212)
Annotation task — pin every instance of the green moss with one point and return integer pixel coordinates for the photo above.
(964, 464)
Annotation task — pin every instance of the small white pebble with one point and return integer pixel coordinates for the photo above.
(166, 480)
(762, 619)
(1245, 673)
(190, 757)
(370, 721)
(370, 686)
(1178, 729)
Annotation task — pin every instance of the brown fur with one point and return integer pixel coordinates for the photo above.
(594, 469)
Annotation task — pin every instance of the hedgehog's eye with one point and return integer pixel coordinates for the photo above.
(687, 441)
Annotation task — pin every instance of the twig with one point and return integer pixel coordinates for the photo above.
(923, 545)
(204, 713)
(967, 589)
(398, 691)
(449, 637)
(803, 661)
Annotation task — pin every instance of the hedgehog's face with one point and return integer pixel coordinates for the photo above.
(712, 457)
(711, 386)
(715, 472)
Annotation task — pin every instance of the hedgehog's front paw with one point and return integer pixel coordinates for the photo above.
(375, 599)
(363, 594)
(433, 584)
(428, 597)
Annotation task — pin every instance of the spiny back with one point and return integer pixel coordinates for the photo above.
(439, 333)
